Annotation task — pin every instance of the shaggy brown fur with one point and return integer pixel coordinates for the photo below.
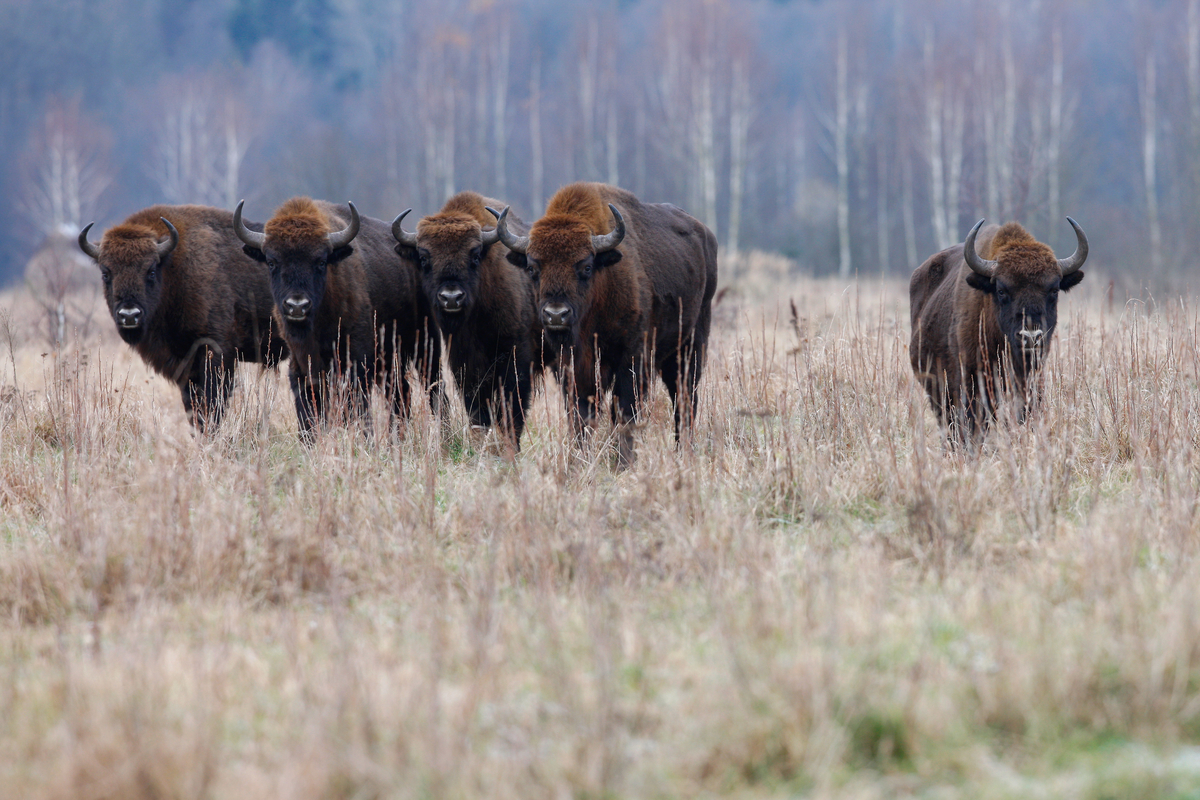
(369, 320)
(492, 333)
(964, 337)
(205, 306)
(644, 307)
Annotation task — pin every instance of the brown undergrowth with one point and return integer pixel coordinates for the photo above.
(815, 597)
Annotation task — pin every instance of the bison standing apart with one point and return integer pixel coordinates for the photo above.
(483, 306)
(610, 314)
(983, 320)
(353, 311)
(187, 299)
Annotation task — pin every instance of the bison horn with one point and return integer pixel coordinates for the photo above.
(492, 236)
(248, 236)
(610, 240)
(518, 244)
(400, 235)
(345, 235)
(165, 248)
(979, 265)
(1069, 265)
(87, 246)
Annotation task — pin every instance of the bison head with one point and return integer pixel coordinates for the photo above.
(562, 257)
(132, 260)
(1024, 280)
(450, 248)
(298, 248)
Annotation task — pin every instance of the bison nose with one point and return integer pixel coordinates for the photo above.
(296, 308)
(451, 299)
(556, 316)
(129, 317)
(1032, 339)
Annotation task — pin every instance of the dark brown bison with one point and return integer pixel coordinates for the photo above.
(483, 306)
(983, 320)
(187, 299)
(352, 311)
(611, 314)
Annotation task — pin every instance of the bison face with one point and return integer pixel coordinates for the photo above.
(132, 261)
(1026, 306)
(298, 278)
(450, 276)
(297, 254)
(1023, 282)
(562, 265)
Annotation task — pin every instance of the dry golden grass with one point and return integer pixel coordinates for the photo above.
(819, 599)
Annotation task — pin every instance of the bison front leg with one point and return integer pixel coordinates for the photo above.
(682, 385)
(309, 395)
(509, 399)
(629, 385)
(206, 392)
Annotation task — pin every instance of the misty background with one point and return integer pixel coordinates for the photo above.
(855, 137)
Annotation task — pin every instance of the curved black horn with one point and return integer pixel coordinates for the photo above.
(492, 236)
(345, 235)
(1069, 265)
(610, 240)
(165, 248)
(979, 265)
(518, 244)
(400, 235)
(245, 234)
(87, 246)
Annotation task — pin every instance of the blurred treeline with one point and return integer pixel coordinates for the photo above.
(854, 136)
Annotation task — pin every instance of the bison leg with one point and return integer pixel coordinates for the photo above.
(682, 388)
(629, 387)
(206, 392)
(509, 401)
(309, 396)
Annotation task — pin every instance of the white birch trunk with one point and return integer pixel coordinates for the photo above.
(739, 131)
(842, 155)
(500, 107)
(536, 156)
(1054, 140)
(1148, 94)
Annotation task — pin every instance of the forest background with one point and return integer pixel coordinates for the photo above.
(854, 137)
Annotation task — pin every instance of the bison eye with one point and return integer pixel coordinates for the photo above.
(151, 275)
(106, 277)
(272, 265)
(1002, 296)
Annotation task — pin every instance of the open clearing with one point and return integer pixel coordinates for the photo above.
(817, 599)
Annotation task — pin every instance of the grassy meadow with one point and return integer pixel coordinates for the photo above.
(817, 598)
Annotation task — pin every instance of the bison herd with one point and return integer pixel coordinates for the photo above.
(599, 290)
(603, 290)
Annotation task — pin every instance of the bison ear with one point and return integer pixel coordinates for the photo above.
(606, 259)
(517, 259)
(1070, 281)
(254, 253)
(407, 252)
(977, 281)
(340, 254)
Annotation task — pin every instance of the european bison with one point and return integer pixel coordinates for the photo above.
(983, 322)
(188, 301)
(352, 311)
(482, 305)
(608, 310)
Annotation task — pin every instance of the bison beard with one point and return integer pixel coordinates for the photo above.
(350, 309)
(612, 315)
(188, 301)
(483, 307)
(983, 317)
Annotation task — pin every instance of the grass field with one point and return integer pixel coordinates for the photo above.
(818, 599)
